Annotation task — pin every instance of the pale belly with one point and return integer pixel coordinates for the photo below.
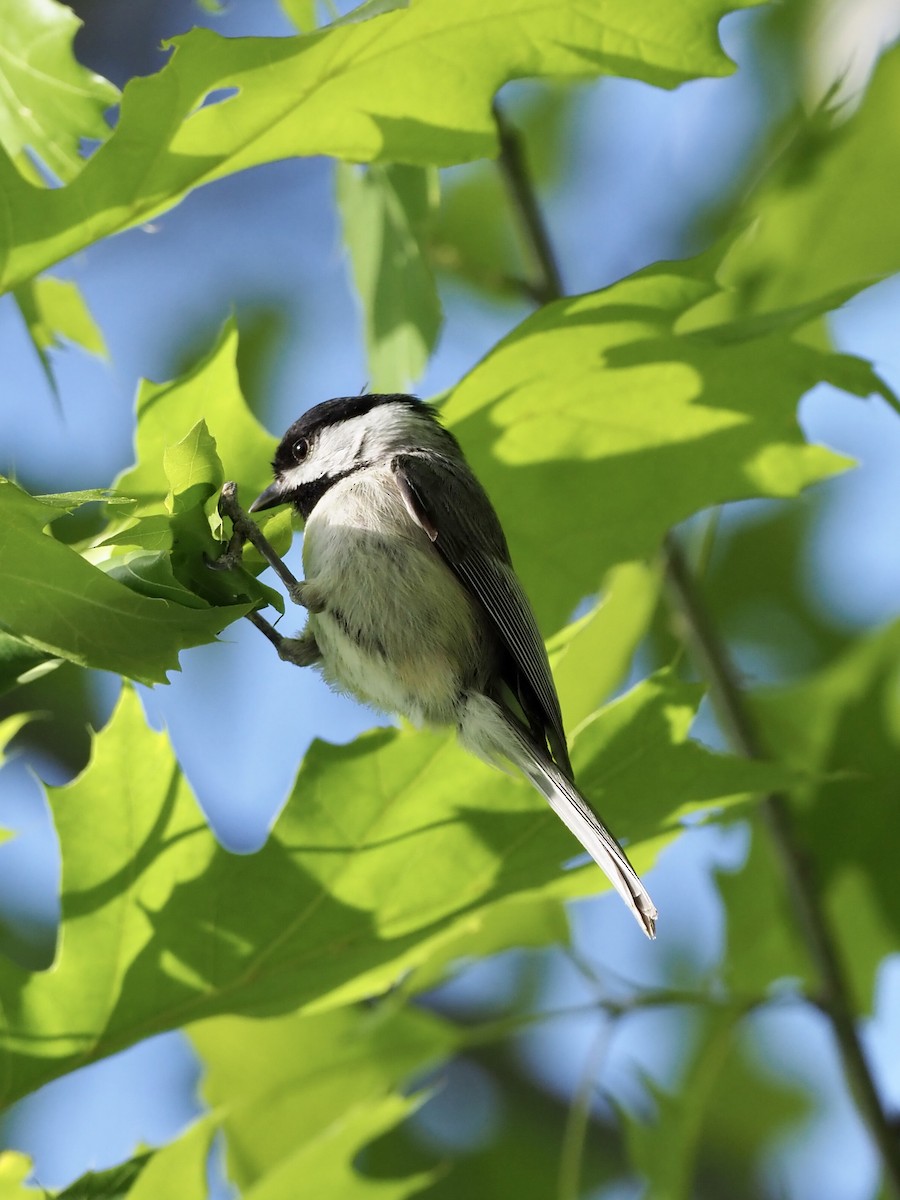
(398, 631)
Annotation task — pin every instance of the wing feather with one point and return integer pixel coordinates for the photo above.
(437, 491)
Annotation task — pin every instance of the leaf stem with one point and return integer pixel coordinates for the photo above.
(836, 1000)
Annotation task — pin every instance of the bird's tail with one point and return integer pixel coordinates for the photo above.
(565, 800)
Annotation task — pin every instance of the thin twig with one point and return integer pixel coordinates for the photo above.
(548, 284)
(836, 1000)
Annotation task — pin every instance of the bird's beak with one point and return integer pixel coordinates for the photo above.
(269, 498)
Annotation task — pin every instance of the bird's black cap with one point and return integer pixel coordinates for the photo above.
(332, 412)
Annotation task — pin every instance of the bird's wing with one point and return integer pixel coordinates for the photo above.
(438, 493)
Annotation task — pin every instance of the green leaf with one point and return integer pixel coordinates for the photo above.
(53, 309)
(590, 657)
(724, 1110)
(194, 472)
(764, 943)
(751, 1108)
(823, 224)
(329, 1160)
(48, 101)
(595, 427)
(55, 601)
(476, 236)
(9, 727)
(113, 1184)
(665, 1150)
(842, 727)
(386, 211)
(66, 502)
(641, 793)
(287, 1089)
(14, 1170)
(379, 89)
(168, 412)
(301, 13)
(163, 926)
(19, 661)
(178, 1169)
(364, 11)
(192, 432)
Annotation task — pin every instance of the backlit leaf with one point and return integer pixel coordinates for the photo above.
(413, 85)
(595, 427)
(48, 101)
(387, 851)
(58, 603)
(386, 210)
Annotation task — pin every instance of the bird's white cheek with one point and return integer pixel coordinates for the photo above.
(297, 476)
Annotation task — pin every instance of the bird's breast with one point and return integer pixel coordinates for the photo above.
(398, 631)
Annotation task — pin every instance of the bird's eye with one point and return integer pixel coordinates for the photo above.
(300, 449)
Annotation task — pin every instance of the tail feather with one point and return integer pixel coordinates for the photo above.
(572, 808)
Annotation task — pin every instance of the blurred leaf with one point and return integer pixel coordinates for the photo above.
(328, 1160)
(113, 1184)
(843, 726)
(386, 210)
(365, 11)
(595, 428)
(641, 792)
(715, 1126)
(48, 101)
(665, 1150)
(361, 91)
(284, 1088)
(301, 14)
(762, 594)
(15, 1168)
(752, 1106)
(57, 602)
(764, 945)
(823, 224)
(475, 234)
(178, 1169)
(385, 852)
(520, 1157)
(53, 309)
(9, 728)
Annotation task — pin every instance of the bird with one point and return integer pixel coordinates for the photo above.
(413, 605)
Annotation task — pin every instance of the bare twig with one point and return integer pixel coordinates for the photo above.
(547, 285)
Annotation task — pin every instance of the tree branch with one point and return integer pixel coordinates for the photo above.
(547, 285)
(796, 866)
(836, 1000)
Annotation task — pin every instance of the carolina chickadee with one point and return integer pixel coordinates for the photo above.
(413, 603)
